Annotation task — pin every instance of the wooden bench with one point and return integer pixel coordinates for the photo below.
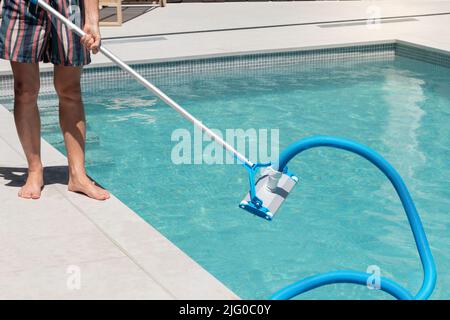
(118, 5)
(112, 3)
(162, 3)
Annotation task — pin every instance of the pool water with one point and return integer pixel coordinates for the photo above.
(344, 214)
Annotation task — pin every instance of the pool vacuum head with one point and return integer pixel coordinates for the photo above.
(271, 189)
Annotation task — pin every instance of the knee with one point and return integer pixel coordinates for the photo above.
(25, 91)
(68, 91)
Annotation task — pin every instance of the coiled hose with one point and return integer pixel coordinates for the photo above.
(356, 277)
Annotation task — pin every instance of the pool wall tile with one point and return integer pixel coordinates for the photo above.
(424, 54)
(108, 76)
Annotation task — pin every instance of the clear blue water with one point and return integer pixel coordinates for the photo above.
(343, 215)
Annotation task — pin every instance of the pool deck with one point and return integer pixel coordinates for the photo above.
(118, 254)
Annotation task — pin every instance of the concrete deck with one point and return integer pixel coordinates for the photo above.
(119, 255)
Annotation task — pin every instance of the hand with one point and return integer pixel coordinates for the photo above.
(92, 38)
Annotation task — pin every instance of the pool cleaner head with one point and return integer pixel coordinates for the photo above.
(268, 193)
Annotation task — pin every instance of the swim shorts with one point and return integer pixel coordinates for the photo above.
(29, 34)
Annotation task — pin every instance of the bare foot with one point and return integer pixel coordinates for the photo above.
(33, 186)
(88, 187)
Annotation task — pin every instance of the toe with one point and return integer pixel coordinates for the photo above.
(35, 195)
(25, 194)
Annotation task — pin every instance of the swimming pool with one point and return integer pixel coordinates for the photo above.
(343, 215)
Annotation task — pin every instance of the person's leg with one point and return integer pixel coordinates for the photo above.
(28, 124)
(73, 126)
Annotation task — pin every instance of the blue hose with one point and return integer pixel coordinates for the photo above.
(356, 277)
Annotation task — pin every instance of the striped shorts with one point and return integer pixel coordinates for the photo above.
(29, 34)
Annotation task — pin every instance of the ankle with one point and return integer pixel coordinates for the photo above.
(37, 168)
(77, 176)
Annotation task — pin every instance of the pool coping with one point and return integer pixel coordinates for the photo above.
(171, 268)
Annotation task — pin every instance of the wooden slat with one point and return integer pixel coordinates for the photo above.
(112, 3)
(162, 3)
(118, 5)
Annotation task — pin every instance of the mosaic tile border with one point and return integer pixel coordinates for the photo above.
(173, 71)
(107, 76)
(422, 54)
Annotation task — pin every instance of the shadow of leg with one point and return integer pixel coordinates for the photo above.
(16, 176)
